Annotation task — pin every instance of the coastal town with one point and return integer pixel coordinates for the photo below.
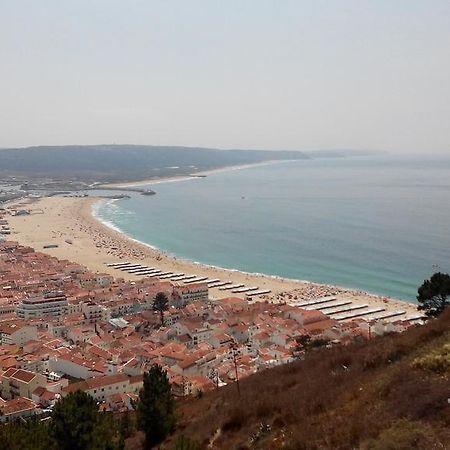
(64, 327)
(223, 225)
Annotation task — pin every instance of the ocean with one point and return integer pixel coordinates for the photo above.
(379, 224)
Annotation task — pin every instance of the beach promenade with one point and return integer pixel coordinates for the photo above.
(68, 224)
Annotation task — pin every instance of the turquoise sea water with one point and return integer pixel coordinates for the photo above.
(380, 224)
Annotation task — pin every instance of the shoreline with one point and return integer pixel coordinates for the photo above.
(95, 243)
(116, 229)
(194, 175)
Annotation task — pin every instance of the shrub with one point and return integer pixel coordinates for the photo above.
(184, 443)
(235, 420)
(437, 361)
(402, 435)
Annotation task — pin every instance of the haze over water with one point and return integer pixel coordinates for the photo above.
(378, 224)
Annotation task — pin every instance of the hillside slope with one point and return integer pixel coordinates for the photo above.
(389, 393)
(126, 162)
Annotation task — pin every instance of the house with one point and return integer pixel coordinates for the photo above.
(324, 329)
(220, 339)
(94, 312)
(7, 307)
(104, 279)
(133, 367)
(103, 388)
(16, 332)
(239, 331)
(81, 334)
(20, 383)
(120, 308)
(199, 335)
(78, 366)
(191, 385)
(121, 402)
(17, 408)
(196, 329)
(187, 366)
(302, 316)
(44, 397)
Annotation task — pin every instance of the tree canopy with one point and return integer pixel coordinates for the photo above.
(434, 294)
(156, 407)
(30, 435)
(77, 424)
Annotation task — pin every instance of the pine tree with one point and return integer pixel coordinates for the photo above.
(161, 304)
(77, 424)
(302, 345)
(156, 407)
(125, 425)
(434, 294)
(30, 435)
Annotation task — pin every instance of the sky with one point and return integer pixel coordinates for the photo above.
(280, 74)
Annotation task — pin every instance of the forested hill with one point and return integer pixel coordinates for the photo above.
(126, 162)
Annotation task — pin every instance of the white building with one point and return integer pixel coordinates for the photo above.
(102, 388)
(16, 333)
(75, 366)
(51, 304)
(188, 293)
(17, 408)
(95, 312)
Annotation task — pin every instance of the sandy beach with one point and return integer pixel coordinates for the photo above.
(193, 174)
(70, 224)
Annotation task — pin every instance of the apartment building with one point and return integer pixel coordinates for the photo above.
(185, 294)
(50, 304)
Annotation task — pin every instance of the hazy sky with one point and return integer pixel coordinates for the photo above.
(274, 74)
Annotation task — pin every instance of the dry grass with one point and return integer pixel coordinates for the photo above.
(361, 395)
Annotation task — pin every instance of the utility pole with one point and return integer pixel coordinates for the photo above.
(183, 383)
(233, 348)
(213, 375)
